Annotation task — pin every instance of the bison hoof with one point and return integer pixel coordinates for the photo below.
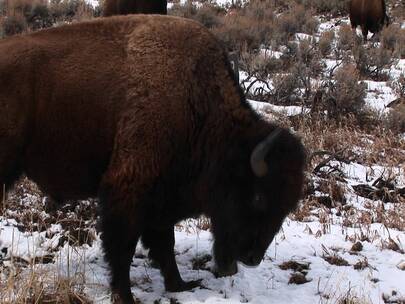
(183, 286)
(117, 299)
(226, 271)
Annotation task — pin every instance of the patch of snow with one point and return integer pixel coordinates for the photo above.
(266, 283)
(303, 36)
(263, 107)
(398, 69)
(330, 64)
(93, 3)
(268, 53)
(379, 95)
(254, 83)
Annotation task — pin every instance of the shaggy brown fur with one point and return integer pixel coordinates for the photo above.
(144, 112)
(369, 14)
(125, 7)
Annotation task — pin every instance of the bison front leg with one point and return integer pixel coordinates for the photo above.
(119, 229)
(160, 242)
(364, 31)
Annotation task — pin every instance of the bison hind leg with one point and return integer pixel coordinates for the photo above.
(10, 171)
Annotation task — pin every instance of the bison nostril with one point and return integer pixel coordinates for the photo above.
(251, 259)
(254, 259)
(257, 260)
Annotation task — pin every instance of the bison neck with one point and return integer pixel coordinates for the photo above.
(208, 178)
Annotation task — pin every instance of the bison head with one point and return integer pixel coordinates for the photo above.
(263, 189)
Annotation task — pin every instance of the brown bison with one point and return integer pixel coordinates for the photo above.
(369, 14)
(125, 7)
(144, 112)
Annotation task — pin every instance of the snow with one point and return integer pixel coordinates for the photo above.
(94, 3)
(305, 242)
(267, 283)
(303, 36)
(398, 69)
(286, 110)
(379, 95)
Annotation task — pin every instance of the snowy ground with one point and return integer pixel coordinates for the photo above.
(308, 242)
(321, 243)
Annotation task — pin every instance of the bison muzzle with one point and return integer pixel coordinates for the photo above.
(144, 113)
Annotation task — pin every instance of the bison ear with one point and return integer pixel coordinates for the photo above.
(257, 158)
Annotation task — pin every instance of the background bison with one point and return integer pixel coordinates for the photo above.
(124, 7)
(369, 14)
(160, 131)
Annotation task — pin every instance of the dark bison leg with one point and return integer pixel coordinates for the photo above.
(160, 242)
(364, 31)
(120, 233)
(10, 163)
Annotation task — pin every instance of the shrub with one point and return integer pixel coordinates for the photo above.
(208, 14)
(373, 62)
(325, 42)
(67, 10)
(303, 61)
(390, 36)
(286, 89)
(399, 50)
(345, 94)
(83, 11)
(296, 20)
(251, 26)
(395, 120)
(3, 8)
(260, 65)
(238, 32)
(399, 86)
(368, 118)
(13, 25)
(38, 16)
(333, 7)
(346, 39)
(393, 39)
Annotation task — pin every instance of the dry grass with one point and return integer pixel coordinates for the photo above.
(19, 16)
(38, 280)
(41, 286)
(368, 147)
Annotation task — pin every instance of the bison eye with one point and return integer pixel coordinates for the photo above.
(259, 202)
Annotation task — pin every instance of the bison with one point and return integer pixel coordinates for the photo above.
(125, 7)
(369, 14)
(143, 112)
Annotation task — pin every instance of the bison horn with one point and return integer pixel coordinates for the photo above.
(257, 161)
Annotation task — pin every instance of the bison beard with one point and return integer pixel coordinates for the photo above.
(125, 7)
(144, 112)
